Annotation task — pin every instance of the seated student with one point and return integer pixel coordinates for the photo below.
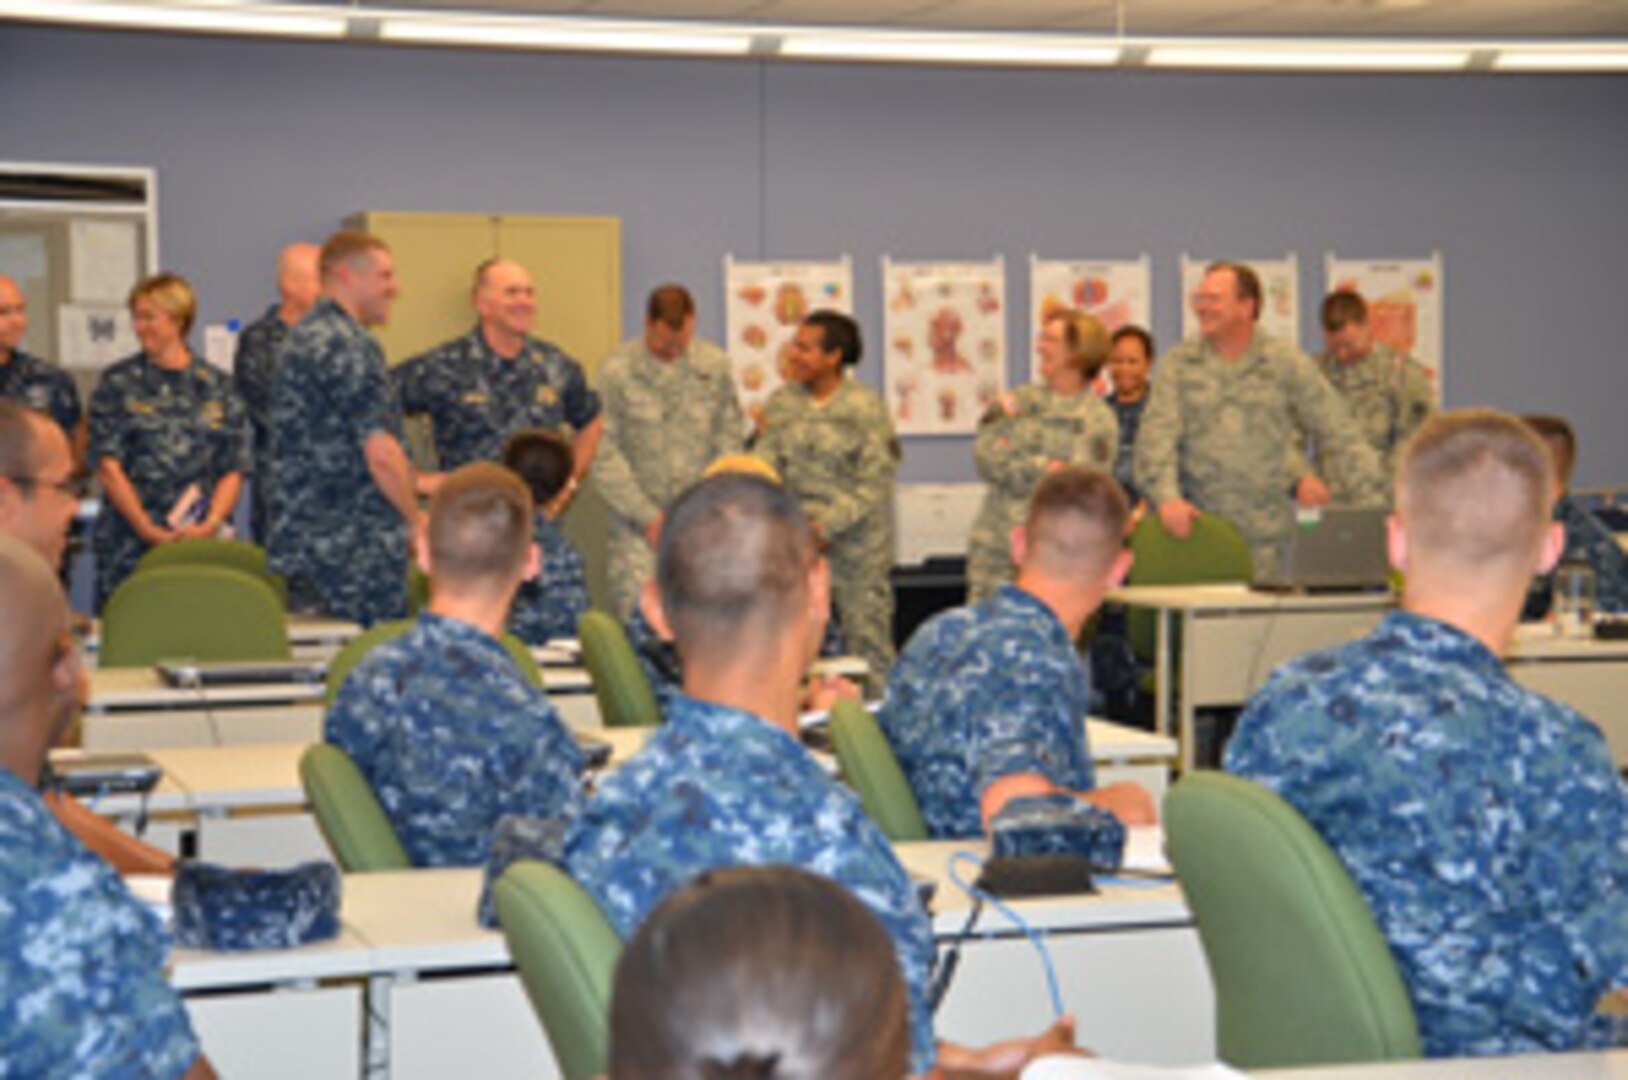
(1485, 824)
(1588, 541)
(548, 605)
(725, 781)
(767, 972)
(988, 702)
(440, 721)
(82, 990)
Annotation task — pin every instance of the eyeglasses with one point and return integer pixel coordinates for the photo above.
(73, 487)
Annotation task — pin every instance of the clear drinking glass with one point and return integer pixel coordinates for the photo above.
(1573, 605)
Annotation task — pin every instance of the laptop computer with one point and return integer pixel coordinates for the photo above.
(195, 673)
(85, 774)
(1333, 549)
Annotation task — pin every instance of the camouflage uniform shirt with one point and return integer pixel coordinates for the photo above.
(1012, 453)
(1485, 824)
(453, 737)
(1388, 396)
(665, 421)
(167, 430)
(1588, 541)
(82, 989)
(716, 787)
(986, 691)
(1129, 415)
(333, 534)
(252, 366)
(477, 399)
(43, 387)
(1216, 432)
(549, 605)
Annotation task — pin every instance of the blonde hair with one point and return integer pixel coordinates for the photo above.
(170, 294)
(1087, 340)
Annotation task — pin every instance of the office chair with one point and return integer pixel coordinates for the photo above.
(213, 551)
(620, 686)
(192, 612)
(871, 769)
(1214, 552)
(349, 814)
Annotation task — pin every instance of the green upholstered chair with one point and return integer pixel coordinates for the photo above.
(871, 769)
(566, 952)
(1213, 553)
(349, 814)
(346, 659)
(192, 613)
(1302, 974)
(418, 590)
(213, 551)
(620, 686)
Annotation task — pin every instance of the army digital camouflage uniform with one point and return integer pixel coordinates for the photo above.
(549, 605)
(665, 421)
(716, 787)
(986, 691)
(452, 737)
(476, 399)
(43, 387)
(167, 430)
(1012, 453)
(1216, 433)
(1485, 824)
(252, 367)
(1388, 396)
(840, 459)
(333, 534)
(82, 989)
(1129, 415)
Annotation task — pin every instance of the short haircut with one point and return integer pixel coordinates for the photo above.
(1076, 523)
(542, 459)
(759, 972)
(1475, 487)
(733, 563)
(170, 294)
(1246, 283)
(1086, 338)
(19, 440)
(669, 305)
(1134, 332)
(1343, 307)
(480, 526)
(481, 270)
(345, 246)
(1561, 440)
(839, 332)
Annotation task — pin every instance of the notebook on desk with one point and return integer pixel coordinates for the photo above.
(196, 673)
(1335, 549)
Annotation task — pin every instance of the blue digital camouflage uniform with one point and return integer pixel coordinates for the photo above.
(658, 659)
(476, 399)
(333, 535)
(167, 430)
(252, 367)
(453, 737)
(1129, 415)
(985, 691)
(46, 388)
(1589, 541)
(549, 605)
(1485, 824)
(82, 990)
(716, 787)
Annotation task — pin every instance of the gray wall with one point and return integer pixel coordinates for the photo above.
(1517, 180)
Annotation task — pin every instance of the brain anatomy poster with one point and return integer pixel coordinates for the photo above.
(1118, 293)
(945, 332)
(1280, 295)
(764, 304)
(1404, 303)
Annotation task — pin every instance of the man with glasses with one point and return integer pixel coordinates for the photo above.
(38, 492)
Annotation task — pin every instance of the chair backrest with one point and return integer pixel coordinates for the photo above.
(351, 654)
(623, 691)
(1214, 552)
(213, 551)
(566, 952)
(1302, 974)
(349, 814)
(872, 770)
(194, 613)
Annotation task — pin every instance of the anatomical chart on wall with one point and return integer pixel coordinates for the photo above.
(1118, 293)
(945, 330)
(1404, 303)
(1280, 295)
(765, 302)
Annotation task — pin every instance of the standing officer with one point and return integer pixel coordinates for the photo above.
(30, 380)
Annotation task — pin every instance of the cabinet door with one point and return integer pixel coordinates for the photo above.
(577, 265)
(435, 257)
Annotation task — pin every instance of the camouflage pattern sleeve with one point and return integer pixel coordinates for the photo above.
(729, 423)
(1316, 407)
(233, 443)
(1098, 445)
(1002, 457)
(1415, 401)
(612, 474)
(411, 379)
(1158, 440)
(580, 402)
(874, 470)
(106, 423)
(1296, 464)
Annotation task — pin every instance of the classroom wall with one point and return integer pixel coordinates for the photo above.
(1518, 180)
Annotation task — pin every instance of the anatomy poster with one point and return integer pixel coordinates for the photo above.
(1280, 295)
(946, 343)
(765, 303)
(1404, 303)
(1118, 293)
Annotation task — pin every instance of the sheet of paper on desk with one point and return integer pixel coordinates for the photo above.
(152, 890)
(1074, 1068)
(1144, 849)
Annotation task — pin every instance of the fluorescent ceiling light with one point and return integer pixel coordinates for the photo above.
(555, 34)
(208, 18)
(1302, 56)
(1515, 58)
(952, 49)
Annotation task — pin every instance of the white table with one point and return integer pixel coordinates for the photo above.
(1600, 1065)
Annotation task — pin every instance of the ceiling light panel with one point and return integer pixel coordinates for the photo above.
(279, 21)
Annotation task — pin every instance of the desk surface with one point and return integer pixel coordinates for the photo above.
(1238, 597)
(144, 688)
(1605, 1065)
